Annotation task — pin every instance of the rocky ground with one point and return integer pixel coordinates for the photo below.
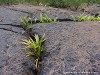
(71, 48)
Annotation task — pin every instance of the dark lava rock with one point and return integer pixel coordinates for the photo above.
(35, 11)
(13, 60)
(9, 16)
(71, 48)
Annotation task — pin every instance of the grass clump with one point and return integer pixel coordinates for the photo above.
(46, 19)
(26, 22)
(36, 46)
(43, 19)
(83, 17)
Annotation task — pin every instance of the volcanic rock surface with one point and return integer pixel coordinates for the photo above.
(71, 48)
(13, 60)
(35, 11)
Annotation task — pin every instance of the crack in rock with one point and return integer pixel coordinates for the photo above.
(19, 10)
(15, 25)
(8, 30)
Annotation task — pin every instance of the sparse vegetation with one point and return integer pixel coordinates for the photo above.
(73, 4)
(46, 19)
(26, 22)
(43, 19)
(83, 17)
(36, 47)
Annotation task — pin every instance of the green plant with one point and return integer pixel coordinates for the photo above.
(56, 3)
(74, 18)
(83, 17)
(55, 20)
(45, 19)
(36, 46)
(26, 22)
(35, 20)
(88, 18)
(75, 4)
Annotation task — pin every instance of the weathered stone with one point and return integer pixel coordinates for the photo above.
(71, 47)
(93, 10)
(8, 16)
(13, 60)
(35, 11)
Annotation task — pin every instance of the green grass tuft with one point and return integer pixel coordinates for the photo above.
(26, 22)
(36, 46)
(45, 19)
(84, 17)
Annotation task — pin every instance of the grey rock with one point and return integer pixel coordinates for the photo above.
(9, 16)
(50, 12)
(13, 60)
(71, 48)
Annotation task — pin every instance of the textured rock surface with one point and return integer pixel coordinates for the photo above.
(71, 47)
(35, 11)
(93, 9)
(8, 16)
(13, 60)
